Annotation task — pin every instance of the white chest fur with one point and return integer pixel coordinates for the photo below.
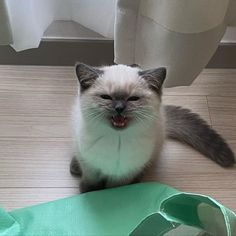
(118, 153)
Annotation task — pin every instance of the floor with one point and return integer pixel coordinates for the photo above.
(70, 30)
(36, 146)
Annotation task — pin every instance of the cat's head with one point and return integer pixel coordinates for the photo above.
(120, 95)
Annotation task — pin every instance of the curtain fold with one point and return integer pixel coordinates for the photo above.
(5, 29)
(231, 14)
(30, 18)
(181, 35)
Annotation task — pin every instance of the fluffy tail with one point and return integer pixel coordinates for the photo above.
(190, 128)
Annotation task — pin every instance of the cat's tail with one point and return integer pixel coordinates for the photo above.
(190, 128)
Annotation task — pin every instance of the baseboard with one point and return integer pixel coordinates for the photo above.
(61, 53)
(93, 52)
(224, 57)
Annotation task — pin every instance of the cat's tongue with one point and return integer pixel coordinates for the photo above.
(119, 121)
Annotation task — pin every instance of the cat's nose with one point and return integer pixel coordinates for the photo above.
(119, 106)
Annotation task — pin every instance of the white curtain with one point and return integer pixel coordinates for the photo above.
(181, 35)
(5, 29)
(30, 18)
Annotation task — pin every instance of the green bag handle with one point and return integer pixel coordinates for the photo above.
(188, 215)
(8, 225)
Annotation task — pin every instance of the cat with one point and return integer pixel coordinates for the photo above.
(120, 126)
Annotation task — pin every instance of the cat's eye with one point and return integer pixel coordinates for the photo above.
(133, 98)
(105, 96)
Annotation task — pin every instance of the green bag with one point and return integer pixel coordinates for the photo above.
(149, 209)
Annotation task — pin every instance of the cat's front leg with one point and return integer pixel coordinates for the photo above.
(91, 180)
(89, 186)
(75, 168)
(124, 181)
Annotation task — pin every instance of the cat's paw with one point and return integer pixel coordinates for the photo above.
(89, 187)
(75, 167)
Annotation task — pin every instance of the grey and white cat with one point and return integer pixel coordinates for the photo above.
(120, 126)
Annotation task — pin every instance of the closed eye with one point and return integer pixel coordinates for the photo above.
(105, 96)
(133, 98)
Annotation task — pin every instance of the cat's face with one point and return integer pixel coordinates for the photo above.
(120, 95)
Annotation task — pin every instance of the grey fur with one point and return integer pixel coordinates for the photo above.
(190, 128)
(154, 78)
(75, 167)
(94, 180)
(86, 75)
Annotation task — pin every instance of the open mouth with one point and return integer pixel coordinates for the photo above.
(119, 121)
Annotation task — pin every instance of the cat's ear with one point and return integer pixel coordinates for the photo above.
(154, 78)
(86, 75)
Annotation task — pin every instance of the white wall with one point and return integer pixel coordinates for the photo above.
(230, 35)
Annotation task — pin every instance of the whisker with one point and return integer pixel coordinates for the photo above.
(94, 116)
(141, 121)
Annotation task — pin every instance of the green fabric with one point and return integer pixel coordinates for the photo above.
(140, 209)
(5, 29)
